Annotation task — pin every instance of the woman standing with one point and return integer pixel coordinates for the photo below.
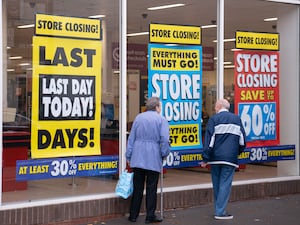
(148, 144)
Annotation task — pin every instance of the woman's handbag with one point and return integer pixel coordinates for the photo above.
(124, 186)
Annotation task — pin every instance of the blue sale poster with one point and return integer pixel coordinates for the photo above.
(175, 76)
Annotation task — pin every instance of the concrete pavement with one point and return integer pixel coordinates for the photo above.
(281, 210)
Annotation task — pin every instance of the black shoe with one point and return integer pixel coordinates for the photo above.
(132, 219)
(153, 220)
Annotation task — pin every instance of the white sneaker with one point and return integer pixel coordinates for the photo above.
(224, 217)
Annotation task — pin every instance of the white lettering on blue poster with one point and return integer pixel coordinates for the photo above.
(175, 76)
(66, 167)
(193, 158)
(259, 120)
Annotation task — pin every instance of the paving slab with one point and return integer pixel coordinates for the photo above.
(277, 210)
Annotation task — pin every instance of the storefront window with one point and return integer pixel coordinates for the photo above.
(28, 176)
(42, 181)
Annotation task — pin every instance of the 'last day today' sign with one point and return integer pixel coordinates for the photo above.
(66, 87)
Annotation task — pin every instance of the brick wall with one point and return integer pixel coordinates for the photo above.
(98, 210)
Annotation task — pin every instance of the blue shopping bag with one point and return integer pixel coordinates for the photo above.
(124, 186)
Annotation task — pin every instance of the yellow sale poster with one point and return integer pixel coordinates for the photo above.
(66, 96)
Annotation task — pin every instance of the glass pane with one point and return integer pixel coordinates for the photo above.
(204, 14)
(74, 78)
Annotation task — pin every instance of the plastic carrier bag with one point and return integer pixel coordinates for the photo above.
(124, 186)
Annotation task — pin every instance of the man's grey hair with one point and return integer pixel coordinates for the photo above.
(224, 103)
(152, 103)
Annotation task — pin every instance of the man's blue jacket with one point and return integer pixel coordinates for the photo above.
(224, 139)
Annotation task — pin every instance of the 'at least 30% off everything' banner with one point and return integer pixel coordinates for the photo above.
(175, 76)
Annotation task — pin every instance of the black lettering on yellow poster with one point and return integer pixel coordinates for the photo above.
(61, 26)
(174, 59)
(184, 135)
(176, 34)
(257, 40)
(66, 97)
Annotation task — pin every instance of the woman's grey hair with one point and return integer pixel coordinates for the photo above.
(152, 103)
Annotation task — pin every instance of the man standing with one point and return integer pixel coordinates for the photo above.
(148, 144)
(224, 141)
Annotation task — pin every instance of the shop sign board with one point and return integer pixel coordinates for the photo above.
(136, 57)
(208, 58)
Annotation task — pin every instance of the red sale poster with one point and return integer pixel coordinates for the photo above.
(257, 95)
